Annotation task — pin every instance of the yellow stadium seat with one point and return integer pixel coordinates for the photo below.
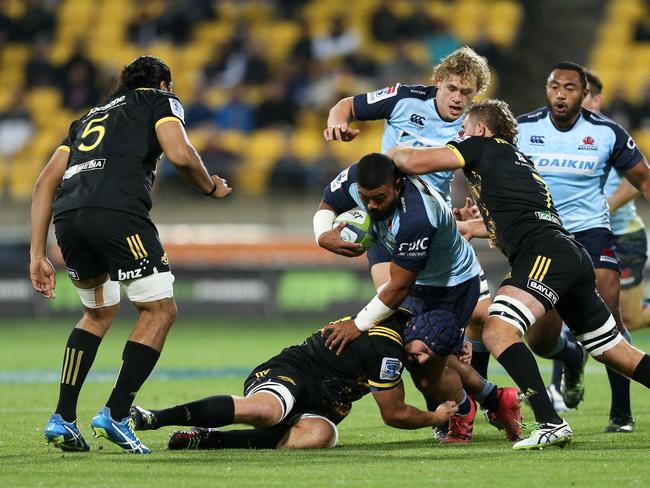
(233, 140)
(306, 143)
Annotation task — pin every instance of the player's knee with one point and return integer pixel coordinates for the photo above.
(311, 433)
(162, 312)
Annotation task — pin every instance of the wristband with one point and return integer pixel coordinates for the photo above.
(372, 314)
(211, 192)
(323, 220)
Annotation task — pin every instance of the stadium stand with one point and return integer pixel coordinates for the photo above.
(214, 46)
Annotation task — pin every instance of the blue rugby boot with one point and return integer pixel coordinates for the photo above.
(120, 433)
(65, 435)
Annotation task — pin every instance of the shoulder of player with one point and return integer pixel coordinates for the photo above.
(420, 92)
(412, 203)
(385, 337)
(534, 116)
(152, 93)
(599, 119)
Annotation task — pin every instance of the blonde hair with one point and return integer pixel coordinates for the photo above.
(496, 116)
(466, 64)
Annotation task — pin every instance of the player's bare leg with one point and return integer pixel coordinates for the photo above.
(608, 285)
(634, 313)
(100, 306)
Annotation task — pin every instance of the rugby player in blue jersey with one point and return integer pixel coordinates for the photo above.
(417, 115)
(574, 149)
(550, 271)
(428, 260)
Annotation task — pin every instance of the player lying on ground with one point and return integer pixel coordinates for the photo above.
(296, 399)
(549, 269)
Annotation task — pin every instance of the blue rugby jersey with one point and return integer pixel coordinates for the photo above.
(576, 163)
(421, 234)
(412, 119)
(625, 219)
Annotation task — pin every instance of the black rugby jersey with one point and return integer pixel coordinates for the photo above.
(375, 361)
(514, 200)
(113, 152)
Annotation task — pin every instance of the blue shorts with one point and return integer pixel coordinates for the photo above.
(460, 300)
(599, 243)
(631, 250)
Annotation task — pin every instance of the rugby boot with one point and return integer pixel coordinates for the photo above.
(572, 387)
(546, 435)
(508, 416)
(118, 432)
(65, 435)
(461, 426)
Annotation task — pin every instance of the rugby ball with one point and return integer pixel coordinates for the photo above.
(358, 227)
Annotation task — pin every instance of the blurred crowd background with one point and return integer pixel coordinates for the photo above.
(257, 79)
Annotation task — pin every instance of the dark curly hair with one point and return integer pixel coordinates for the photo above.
(497, 117)
(143, 72)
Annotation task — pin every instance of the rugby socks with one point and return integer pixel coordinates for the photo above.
(245, 439)
(556, 375)
(620, 387)
(480, 356)
(138, 362)
(465, 405)
(642, 372)
(520, 364)
(567, 349)
(487, 397)
(80, 352)
(432, 403)
(214, 411)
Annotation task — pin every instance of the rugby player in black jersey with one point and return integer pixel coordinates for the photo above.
(549, 270)
(296, 399)
(97, 186)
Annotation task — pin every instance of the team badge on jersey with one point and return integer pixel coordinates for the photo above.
(383, 94)
(177, 109)
(391, 369)
(339, 180)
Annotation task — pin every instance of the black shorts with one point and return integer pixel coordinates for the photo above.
(599, 243)
(301, 386)
(95, 241)
(559, 273)
(632, 253)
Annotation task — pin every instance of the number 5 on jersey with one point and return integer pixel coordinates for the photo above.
(92, 128)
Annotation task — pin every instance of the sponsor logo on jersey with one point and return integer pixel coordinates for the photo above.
(418, 92)
(73, 274)
(417, 119)
(549, 216)
(91, 165)
(415, 248)
(565, 163)
(339, 180)
(129, 274)
(177, 109)
(588, 144)
(383, 94)
(537, 140)
(608, 259)
(164, 259)
(108, 106)
(390, 369)
(543, 289)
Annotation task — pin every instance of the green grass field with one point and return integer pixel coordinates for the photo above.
(204, 358)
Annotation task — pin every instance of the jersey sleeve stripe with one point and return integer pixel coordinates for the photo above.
(63, 147)
(460, 157)
(388, 331)
(384, 385)
(388, 336)
(168, 119)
